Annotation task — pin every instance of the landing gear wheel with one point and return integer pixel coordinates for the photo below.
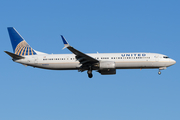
(159, 72)
(90, 75)
(89, 72)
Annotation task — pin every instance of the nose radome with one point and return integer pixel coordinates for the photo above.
(173, 62)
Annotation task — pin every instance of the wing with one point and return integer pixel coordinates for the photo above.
(81, 57)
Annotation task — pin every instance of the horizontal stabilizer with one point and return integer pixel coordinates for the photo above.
(14, 56)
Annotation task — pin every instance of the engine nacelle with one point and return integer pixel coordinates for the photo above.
(107, 67)
(107, 71)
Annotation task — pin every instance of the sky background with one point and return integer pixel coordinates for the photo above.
(104, 26)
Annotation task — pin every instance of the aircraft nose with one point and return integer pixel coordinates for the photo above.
(173, 61)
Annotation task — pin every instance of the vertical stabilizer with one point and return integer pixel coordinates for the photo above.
(19, 45)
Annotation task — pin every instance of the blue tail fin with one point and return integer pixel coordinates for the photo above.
(20, 46)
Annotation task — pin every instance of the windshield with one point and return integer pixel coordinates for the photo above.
(165, 57)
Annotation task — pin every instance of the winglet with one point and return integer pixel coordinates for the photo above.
(66, 44)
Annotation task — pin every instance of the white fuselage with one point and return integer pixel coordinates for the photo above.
(104, 63)
(121, 60)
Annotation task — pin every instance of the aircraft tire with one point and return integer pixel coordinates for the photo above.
(90, 75)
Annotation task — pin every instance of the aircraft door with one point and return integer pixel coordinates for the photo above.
(67, 58)
(156, 58)
(36, 60)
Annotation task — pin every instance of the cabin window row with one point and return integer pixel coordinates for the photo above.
(123, 58)
(59, 59)
(98, 58)
(130, 57)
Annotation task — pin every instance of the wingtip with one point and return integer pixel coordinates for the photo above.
(66, 44)
(64, 40)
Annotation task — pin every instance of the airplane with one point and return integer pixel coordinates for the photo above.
(104, 63)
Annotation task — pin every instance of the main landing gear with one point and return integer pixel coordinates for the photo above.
(89, 72)
(90, 75)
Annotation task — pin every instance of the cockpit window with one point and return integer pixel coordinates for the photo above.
(165, 57)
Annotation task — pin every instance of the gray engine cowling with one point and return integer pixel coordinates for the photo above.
(107, 67)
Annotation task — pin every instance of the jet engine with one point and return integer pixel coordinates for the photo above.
(107, 67)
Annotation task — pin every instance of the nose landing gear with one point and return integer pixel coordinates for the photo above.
(161, 68)
(159, 72)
